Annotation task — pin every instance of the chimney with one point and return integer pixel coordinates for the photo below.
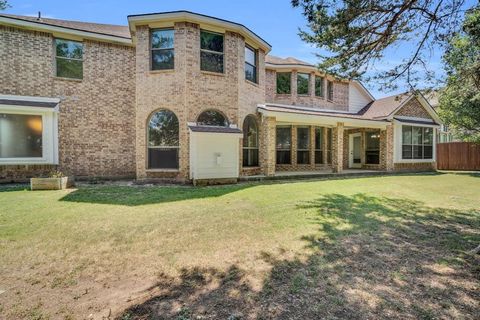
(39, 16)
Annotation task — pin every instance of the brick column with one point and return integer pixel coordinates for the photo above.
(312, 84)
(312, 147)
(389, 148)
(293, 86)
(268, 126)
(325, 146)
(294, 146)
(337, 149)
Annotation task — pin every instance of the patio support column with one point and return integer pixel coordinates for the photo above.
(294, 147)
(325, 146)
(337, 149)
(389, 166)
(268, 145)
(312, 147)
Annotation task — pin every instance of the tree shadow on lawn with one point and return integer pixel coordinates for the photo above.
(372, 257)
(142, 195)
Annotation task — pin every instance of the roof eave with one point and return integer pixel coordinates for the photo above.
(64, 31)
(177, 16)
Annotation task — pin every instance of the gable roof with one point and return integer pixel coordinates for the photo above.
(99, 28)
(384, 107)
(274, 60)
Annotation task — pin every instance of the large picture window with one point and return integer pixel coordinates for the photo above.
(319, 84)
(212, 118)
(283, 82)
(20, 136)
(303, 145)
(318, 145)
(211, 51)
(372, 147)
(303, 81)
(163, 54)
(68, 59)
(251, 64)
(250, 142)
(417, 142)
(163, 140)
(284, 145)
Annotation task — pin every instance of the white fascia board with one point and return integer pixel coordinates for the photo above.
(29, 98)
(197, 18)
(62, 31)
(229, 134)
(399, 122)
(322, 120)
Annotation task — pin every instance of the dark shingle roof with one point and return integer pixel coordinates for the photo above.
(99, 28)
(286, 61)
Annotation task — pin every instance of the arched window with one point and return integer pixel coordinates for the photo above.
(163, 140)
(250, 142)
(212, 118)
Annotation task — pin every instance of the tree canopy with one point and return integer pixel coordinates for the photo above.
(356, 34)
(460, 99)
(3, 4)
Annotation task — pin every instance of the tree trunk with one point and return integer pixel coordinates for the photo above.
(476, 250)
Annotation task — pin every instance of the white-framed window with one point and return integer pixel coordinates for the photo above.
(28, 134)
(211, 51)
(68, 59)
(414, 143)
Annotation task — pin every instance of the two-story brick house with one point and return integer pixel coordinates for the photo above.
(186, 96)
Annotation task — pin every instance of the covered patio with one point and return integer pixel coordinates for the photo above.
(302, 141)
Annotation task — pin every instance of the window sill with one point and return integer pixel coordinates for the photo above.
(251, 168)
(252, 83)
(67, 79)
(283, 95)
(161, 71)
(211, 73)
(162, 170)
(307, 95)
(328, 100)
(415, 161)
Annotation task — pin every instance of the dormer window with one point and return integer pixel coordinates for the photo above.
(251, 64)
(163, 54)
(211, 51)
(68, 59)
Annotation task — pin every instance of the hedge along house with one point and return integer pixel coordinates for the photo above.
(185, 96)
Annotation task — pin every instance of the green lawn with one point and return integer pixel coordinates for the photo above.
(383, 247)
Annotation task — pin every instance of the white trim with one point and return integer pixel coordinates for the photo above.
(49, 133)
(350, 150)
(29, 98)
(57, 30)
(414, 119)
(397, 145)
(321, 120)
(424, 104)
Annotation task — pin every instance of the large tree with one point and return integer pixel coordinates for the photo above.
(357, 33)
(460, 99)
(3, 4)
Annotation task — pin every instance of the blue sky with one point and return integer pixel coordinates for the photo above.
(274, 20)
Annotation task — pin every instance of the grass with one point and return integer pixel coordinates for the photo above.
(362, 248)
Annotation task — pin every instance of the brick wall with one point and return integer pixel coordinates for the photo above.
(413, 108)
(188, 91)
(96, 118)
(340, 93)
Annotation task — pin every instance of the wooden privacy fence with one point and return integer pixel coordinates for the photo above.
(458, 156)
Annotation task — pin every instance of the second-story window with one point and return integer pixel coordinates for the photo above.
(68, 59)
(211, 51)
(250, 64)
(319, 90)
(330, 90)
(283, 82)
(303, 80)
(163, 54)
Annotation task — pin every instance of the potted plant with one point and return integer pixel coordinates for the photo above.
(56, 180)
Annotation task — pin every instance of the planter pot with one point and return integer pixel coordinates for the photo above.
(51, 183)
